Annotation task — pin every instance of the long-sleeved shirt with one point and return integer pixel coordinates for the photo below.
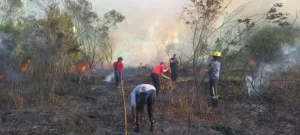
(215, 73)
(139, 89)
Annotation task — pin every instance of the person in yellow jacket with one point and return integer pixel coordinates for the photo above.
(214, 75)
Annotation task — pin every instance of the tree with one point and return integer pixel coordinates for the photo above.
(93, 31)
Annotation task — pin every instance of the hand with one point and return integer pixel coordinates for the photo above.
(203, 70)
(134, 120)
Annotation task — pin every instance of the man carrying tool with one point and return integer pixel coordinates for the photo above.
(156, 72)
(173, 64)
(214, 73)
(118, 67)
(141, 95)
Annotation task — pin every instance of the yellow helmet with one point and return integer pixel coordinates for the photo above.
(217, 54)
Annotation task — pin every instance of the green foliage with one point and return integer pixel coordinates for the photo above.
(264, 43)
(113, 17)
(59, 27)
(9, 28)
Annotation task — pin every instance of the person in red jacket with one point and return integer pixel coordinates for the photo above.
(118, 67)
(156, 72)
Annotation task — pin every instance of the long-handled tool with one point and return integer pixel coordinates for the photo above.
(124, 105)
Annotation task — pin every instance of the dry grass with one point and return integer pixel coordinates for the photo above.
(286, 89)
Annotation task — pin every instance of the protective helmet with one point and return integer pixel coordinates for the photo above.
(120, 58)
(217, 54)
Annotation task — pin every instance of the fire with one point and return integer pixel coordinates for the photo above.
(252, 63)
(1, 76)
(84, 67)
(25, 67)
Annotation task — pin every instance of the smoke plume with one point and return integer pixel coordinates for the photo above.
(150, 22)
(6, 62)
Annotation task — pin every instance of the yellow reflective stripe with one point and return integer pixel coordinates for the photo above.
(213, 91)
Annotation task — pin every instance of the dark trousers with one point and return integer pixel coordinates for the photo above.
(141, 100)
(173, 74)
(117, 78)
(156, 82)
(213, 91)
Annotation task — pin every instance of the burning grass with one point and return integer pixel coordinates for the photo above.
(24, 68)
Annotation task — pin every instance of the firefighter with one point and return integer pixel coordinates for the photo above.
(173, 64)
(156, 72)
(141, 95)
(118, 67)
(214, 73)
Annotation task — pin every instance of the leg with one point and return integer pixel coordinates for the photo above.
(140, 102)
(116, 78)
(156, 82)
(150, 102)
(213, 91)
(173, 74)
(120, 78)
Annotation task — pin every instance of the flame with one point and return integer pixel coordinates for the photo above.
(84, 67)
(252, 63)
(1, 76)
(25, 67)
(172, 38)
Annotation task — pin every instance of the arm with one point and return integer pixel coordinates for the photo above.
(211, 67)
(133, 98)
(133, 104)
(162, 68)
(178, 61)
(165, 70)
(165, 76)
(133, 114)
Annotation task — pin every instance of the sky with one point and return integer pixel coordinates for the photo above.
(148, 22)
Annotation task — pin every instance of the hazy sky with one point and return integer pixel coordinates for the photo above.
(147, 21)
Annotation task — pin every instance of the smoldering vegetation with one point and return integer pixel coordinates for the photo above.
(56, 72)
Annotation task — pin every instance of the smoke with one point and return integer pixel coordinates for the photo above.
(148, 23)
(7, 62)
(286, 59)
(109, 77)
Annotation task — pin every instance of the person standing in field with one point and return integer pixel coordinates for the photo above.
(174, 65)
(118, 68)
(214, 75)
(156, 72)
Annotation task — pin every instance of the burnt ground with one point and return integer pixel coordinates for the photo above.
(99, 111)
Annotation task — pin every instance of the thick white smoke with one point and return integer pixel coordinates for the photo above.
(150, 22)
